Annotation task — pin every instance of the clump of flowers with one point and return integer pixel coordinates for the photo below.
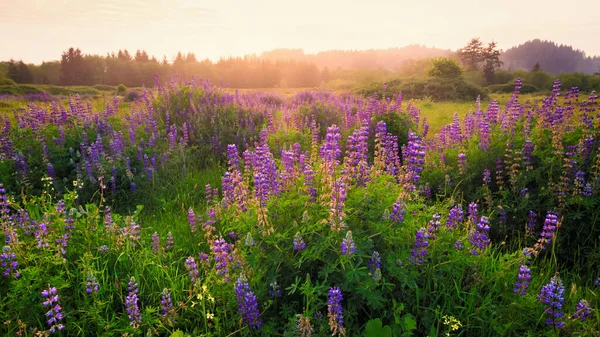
(299, 243)
(169, 242)
(9, 262)
(247, 304)
(552, 296)
(131, 304)
(479, 238)
(582, 311)
(192, 268)
(54, 315)
(455, 217)
(91, 285)
(419, 250)
(222, 252)
(523, 279)
(348, 247)
(166, 305)
(335, 313)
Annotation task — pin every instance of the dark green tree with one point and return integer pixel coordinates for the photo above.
(537, 67)
(491, 59)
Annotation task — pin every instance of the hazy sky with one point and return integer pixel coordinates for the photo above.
(36, 30)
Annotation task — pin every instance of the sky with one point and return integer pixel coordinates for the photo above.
(40, 30)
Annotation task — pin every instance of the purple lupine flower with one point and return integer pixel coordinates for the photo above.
(9, 262)
(166, 305)
(473, 212)
(103, 249)
(484, 134)
(274, 289)
(486, 177)
(299, 242)
(524, 192)
(192, 268)
(479, 237)
(582, 311)
(169, 242)
(462, 163)
(247, 304)
(550, 226)
(155, 243)
(586, 190)
(233, 158)
(434, 226)
(223, 257)
(192, 220)
(309, 177)
(420, 246)
(458, 244)
(348, 247)
(54, 315)
(522, 282)
(531, 221)
(131, 304)
(398, 211)
(335, 312)
(455, 217)
(552, 295)
(414, 156)
(91, 285)
(330, 150)
(132, 186)
(527, 151)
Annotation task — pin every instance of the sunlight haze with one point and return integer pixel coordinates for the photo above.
(42, 29)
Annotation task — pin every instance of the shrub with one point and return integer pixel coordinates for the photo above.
(121, 90)
(132, 95)
(509, 87)
(6, 81)
(438, 89)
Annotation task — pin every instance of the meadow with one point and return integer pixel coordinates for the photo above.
(200, 211)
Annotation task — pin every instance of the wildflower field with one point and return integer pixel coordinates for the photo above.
(198, 211)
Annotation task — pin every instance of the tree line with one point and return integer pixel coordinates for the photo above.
(140, 69)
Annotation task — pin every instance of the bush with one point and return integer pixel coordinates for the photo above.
(104, 87)
(7, 81)
(510, 87)
(444, 67)
(438, 89)
(121, 90)
(132, 95)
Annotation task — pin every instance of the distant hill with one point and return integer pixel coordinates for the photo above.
(391, 59)
(553, 58)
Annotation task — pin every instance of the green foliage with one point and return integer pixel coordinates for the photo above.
(444, 68)
(121, 89)
(6, 81)
(510, 87)
(438, 89)
(375, 328)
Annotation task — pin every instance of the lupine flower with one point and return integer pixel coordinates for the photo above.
(192, 268)
(335, 312)
(348, 247)
(192, 219)
(223, 257)
(299, 242)
(458, 244)
(91, 286)
(9, 262)
(473, 213)
(166, 305)
(304, 326)
(462, 163)
(550, 226)
(582, 311)
(155, 243)
(274, 289)
(552, 296)
(486, 177)
(169, 242)
(522, 282)
(103, 249)
(434, 225)
(398, 211)
(479, 238)
(420, 246)
(375, 261)
(455, 217)
(247, 304)
(54, 315)
(131, 304)
(531, 221)
(414, 156)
